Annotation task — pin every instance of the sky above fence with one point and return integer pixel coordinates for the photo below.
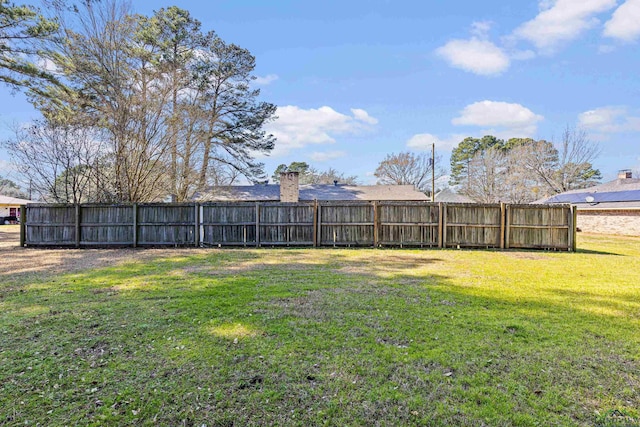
(361, 79)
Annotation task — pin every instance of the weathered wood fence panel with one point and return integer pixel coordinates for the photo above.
(472, 225)
(166, 224)
(106, 225)
(348, 223)
(407, 224)
(532, 227)
(228, 224)
(287, 224)
(51, 225)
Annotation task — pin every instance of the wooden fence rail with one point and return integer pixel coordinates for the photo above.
(346, 223)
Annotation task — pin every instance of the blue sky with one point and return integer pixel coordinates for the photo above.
(357, 80)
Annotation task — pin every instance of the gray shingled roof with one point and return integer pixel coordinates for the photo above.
(271, 192)
(6, 200)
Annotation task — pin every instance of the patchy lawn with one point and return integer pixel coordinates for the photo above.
(321, 337)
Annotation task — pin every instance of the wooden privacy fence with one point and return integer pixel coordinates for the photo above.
(345, 223)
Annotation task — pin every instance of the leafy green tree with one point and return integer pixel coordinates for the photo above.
(233, 119)
(172, 37)
(21, 28)
(311, 175)
(302, 168)
(465, 151)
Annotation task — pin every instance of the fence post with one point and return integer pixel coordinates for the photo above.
(443, 231)
(439, 227)
(196, 225)
(569, 213)
(507, 226)
(201, 226)
(574, 231)
(319, 235)
(376, 225)
(135, 225)
(315, 223)
(502, 225)
(23, 225)
(257, 224)
(77, 225)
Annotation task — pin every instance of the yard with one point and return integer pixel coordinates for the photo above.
(321, 337)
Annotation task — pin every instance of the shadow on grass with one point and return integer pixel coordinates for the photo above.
(302, 337)
(594, 252)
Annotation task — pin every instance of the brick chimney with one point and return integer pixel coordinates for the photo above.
(289, 190)
(625, 174)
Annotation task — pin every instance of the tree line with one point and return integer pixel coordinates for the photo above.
(522, 170)
(133, 107)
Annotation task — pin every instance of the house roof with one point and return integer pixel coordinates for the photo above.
(616, 194)
(271, 192)
(448, 196)
(6, 200)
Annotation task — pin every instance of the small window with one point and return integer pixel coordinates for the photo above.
(13, 212)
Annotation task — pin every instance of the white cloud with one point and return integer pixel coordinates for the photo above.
(609, 120)
(496, 113)
(326, 155)
(423, 141)
(623, 25)
(475, 55)
(562, 21)
(265, 80)
(296, 127)
(517, 120)
(363, 116)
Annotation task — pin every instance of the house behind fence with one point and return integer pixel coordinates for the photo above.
(610, 208)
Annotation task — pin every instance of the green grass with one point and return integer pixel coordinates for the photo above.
(329, 337)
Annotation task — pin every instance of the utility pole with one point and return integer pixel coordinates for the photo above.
(433, 172)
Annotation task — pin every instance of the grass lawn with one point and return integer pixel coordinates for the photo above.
(327, 337)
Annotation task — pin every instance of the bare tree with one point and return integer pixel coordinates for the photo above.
(59, 160)
(575, 156)
(407, 168)
(330, 176)
(487, 172)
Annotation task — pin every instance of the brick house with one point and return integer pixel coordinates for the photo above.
(609, 208)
